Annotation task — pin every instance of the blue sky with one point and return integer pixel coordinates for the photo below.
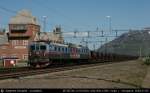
(82, 14)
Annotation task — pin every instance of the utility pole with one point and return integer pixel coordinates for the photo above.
(94, 47)
(109, 19)
(106, 45)
(116, 33)
(140, 52)
(44, 23)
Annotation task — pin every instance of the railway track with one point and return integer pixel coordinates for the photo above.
(11, 70)
(28, 72)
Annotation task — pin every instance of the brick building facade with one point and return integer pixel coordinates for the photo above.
(22, 29)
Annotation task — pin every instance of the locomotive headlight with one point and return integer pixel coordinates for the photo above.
(12, 62)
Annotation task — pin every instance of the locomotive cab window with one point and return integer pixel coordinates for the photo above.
(59, 49)
(62, 49)
(66, 50)
(36, 46)
(55, 48)
(42, 47)
(32, 47)
(51, 47)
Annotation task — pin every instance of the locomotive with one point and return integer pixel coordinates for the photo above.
(44, 53)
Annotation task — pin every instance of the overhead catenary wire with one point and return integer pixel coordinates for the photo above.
(58, 13)
(55, 11)
(75, 32)
(15, 12)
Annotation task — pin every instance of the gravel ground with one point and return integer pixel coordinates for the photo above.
(118, 75)
(146, 81)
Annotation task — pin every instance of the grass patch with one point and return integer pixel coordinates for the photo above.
(131, 73)
(136, 73)
(146, 60)
(5, 70)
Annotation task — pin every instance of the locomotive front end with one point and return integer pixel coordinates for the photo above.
(38, 56)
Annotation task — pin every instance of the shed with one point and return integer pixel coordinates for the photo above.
(9, 62)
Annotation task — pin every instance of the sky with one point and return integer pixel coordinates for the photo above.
(82, 15)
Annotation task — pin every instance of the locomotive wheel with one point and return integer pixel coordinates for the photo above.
(33, 66)
(38, 66)
(50, 62)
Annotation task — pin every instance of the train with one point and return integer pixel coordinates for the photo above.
(44, 53)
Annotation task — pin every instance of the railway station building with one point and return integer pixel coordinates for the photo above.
(24, 28)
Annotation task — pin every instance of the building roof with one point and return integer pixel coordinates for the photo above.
(23, 17)
(51, 36)
(55, 36)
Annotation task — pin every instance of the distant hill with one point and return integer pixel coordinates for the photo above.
(130, 43)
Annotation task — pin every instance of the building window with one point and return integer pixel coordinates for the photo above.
(17, 42)
(14, 42)
(19, 27)
(25, 42)
(3, 56)
(3, 47)
(14, 55)
(20, 42)
(25, 56)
